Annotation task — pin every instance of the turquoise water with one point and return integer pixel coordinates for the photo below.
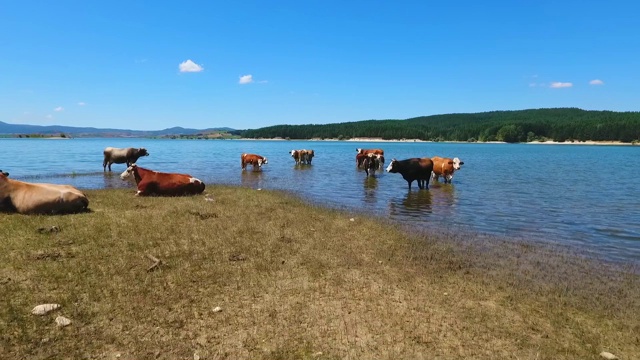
(582, 196)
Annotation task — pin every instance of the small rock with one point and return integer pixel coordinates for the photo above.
(217, 309)
(258, 189)
(352, 219)
(319, 353)
(608, 355)
(196, 356)
(237, 257)
(62, 321)
(445, 294)
(208, 199)
(44, 308)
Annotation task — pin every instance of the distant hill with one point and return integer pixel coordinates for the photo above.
(19, 129)
(559, 124)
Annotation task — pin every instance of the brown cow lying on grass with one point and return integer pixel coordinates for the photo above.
(163, 184)
(39, 198)
(255, 160)
(445, 167)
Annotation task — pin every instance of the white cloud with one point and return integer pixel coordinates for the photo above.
(596, 82)
(245, 79)
(59, 108)
(558, 85)
(190, 66)
(82, 103)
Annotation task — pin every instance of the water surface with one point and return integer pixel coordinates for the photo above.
(582, 196)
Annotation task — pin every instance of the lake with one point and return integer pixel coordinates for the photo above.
(582, 196)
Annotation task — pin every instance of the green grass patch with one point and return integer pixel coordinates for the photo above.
(295, 281)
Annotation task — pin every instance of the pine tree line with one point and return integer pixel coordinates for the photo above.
(560, 124)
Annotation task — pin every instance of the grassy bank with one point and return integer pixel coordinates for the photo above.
(294, 281)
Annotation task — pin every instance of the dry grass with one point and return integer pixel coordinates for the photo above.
(295, 281)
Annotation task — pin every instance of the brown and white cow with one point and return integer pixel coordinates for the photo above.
(151, 182)
(370, 151)
(413, 169)
(256, 161)
(361, 156)
(308, 156)
(302, 156)
(372, 162)
(39, 198)
(122, 156)
(445, 167)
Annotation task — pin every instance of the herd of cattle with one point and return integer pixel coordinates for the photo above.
(40, 198)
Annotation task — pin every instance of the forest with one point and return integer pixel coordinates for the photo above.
(557, 124)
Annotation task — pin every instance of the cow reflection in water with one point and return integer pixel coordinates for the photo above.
(443, 195)
(253, 179)
(439, 201)
(112, 181)
(370, 189)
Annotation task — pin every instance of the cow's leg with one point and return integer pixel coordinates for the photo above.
(110, 165)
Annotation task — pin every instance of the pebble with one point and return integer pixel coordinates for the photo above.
(608, 355)
(44, 308)
(62, 321)
(217, 309)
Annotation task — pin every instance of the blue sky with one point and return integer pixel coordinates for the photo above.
(249, 64)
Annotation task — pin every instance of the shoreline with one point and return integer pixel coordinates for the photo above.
(365, 139)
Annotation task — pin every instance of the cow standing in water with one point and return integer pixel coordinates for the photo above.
(363, 154)
(39, 198)
(122, 156)
(151, 182)
(445, 167)
(372, 162)
(413, 169)
(252, 159)
(302, 156)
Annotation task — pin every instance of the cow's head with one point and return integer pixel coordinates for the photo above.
(359, 151)
(143, 152)
(262, 161)
(129, 172)
(392, 168)
(4, 173)
(294, 153)
(457, 164)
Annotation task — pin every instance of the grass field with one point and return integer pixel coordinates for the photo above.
(292, 281)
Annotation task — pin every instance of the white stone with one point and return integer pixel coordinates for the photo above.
(217, 309)
(62, 321)
(44, 308)
(608, 355)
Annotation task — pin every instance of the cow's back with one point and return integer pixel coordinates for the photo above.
(442, 166)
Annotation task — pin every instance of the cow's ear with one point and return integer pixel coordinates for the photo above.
(461, 162)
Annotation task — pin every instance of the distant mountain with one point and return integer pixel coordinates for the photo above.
(16, 129)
